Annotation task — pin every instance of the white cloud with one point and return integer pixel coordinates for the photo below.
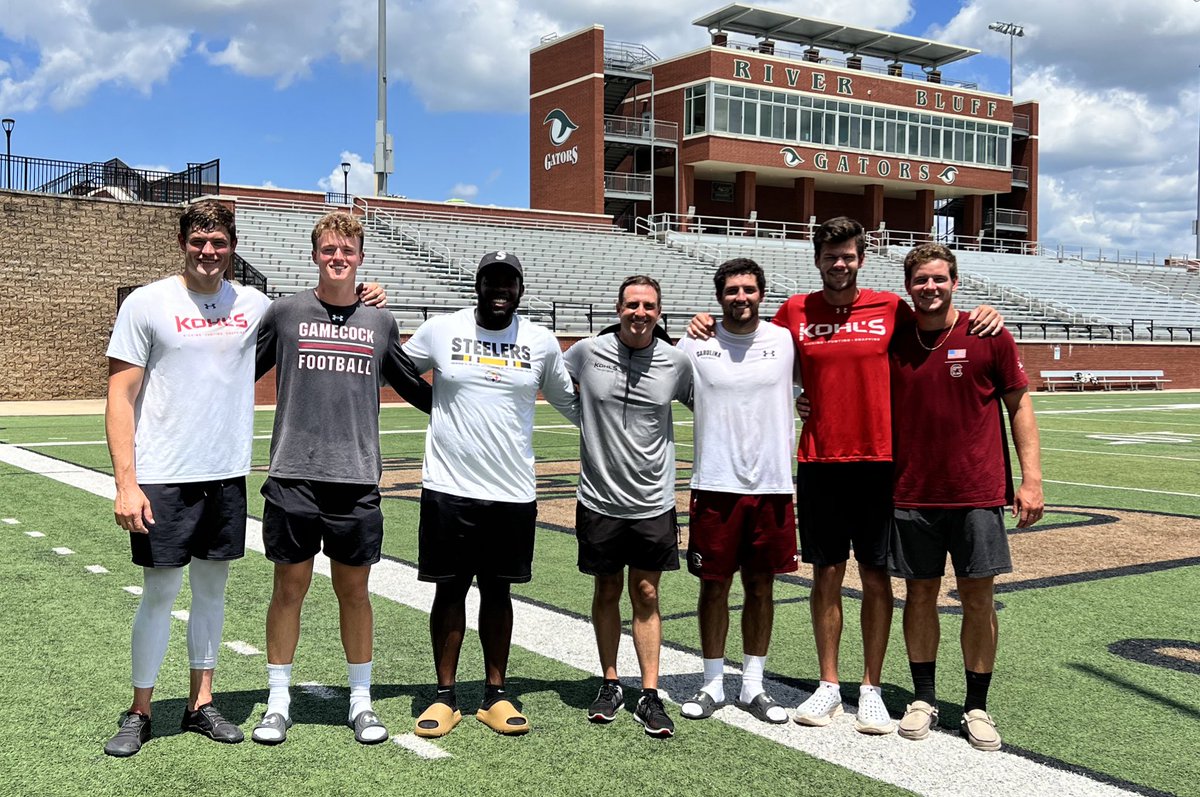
(1117, 80)
(361, 179)
(463, 191)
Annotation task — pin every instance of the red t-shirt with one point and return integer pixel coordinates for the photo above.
(949, 434)
(843, 359)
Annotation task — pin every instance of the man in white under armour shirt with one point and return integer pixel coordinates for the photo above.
(742, 517)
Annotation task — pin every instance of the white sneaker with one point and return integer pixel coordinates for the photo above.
(872, 716)
(820, 708)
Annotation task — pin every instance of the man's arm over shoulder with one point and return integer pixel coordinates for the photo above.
(131, 507)
(265, 354)
(402, 374)
(557, 385)
(1028, 503)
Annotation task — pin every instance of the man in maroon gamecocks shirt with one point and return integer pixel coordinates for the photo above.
(953, 479)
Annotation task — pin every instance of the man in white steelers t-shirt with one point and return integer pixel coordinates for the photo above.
(478, 503)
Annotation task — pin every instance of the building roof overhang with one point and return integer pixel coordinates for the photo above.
(766, 23)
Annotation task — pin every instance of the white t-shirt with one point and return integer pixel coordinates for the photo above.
(745, 432)
(194, 415)
(485, 385)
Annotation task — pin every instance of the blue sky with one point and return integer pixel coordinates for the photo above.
(283, 90)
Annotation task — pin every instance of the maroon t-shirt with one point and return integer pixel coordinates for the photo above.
(948, 431)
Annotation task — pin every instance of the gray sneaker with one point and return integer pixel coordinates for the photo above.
(134, 732)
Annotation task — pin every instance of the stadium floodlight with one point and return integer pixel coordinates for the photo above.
(345, 183)
(8, 124)
(1013, 31)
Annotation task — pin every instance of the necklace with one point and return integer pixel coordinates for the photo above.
(945, 337)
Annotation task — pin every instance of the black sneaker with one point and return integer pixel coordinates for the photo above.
(135, 732)
(653, 717)
(208, 721)
(609, 700)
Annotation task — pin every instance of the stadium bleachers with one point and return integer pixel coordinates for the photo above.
(426, 260)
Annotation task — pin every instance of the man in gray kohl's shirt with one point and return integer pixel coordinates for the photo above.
(625, 515)
(332, 355)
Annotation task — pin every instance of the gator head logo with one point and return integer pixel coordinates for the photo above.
(948, 174)
(561, 126)
(791, 158)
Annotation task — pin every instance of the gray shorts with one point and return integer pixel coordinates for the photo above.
(975, 539)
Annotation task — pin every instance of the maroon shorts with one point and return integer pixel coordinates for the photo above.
(727, 531)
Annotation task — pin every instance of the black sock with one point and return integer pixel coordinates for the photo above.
(923, 680)
(445, 694)
(649, 693)
(977, 689)
(492, 694)
(612, 682)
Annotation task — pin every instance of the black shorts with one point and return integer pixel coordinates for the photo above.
(840, 504)
(206, 520)
(301, 517)
(608, 545)
(974, 537)
(464, 537)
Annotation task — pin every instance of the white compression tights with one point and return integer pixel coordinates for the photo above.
(152, 624)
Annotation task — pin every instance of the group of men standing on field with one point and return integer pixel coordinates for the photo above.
(862, 357)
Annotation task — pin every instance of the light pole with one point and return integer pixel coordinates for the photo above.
(345, 183)
(1012, 30)
(1196, 223)
(9, 124)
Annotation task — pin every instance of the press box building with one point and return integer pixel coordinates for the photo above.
(785, 124)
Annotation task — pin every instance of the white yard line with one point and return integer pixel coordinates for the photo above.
(63, 551)
(1127, 489)
(34, 534)
(942, 765)
(422, 747)
(97, 569)
(133, 589)
(319, 691)
(181, 615)
(1121, 454)
(245, 648)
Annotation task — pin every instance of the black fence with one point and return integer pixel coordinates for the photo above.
(338, 198)
(247, 274)
(112, 179)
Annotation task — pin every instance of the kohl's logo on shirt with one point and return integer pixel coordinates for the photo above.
(876, 327)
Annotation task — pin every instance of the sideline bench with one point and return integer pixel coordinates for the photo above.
(1102, 380)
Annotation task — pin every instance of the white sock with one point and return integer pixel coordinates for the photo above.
(862, 690)
(152, 623)
(829, 685)
(360, 688)
(752, 676)
(360, 696)
(714, 679)
(207, 614)
(279, 679)
(714, 683)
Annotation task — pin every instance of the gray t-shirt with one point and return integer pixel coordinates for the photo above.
(331, 362)
(627, 434)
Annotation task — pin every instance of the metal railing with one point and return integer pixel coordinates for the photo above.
(112, 179)
(627, 55)
(798, 55)
(1006, 218)
(641, 129)
(247, 274)
(625, 183)
(338, 198)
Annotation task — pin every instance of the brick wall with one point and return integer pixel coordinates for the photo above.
(62, 261)
(1179, 362)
